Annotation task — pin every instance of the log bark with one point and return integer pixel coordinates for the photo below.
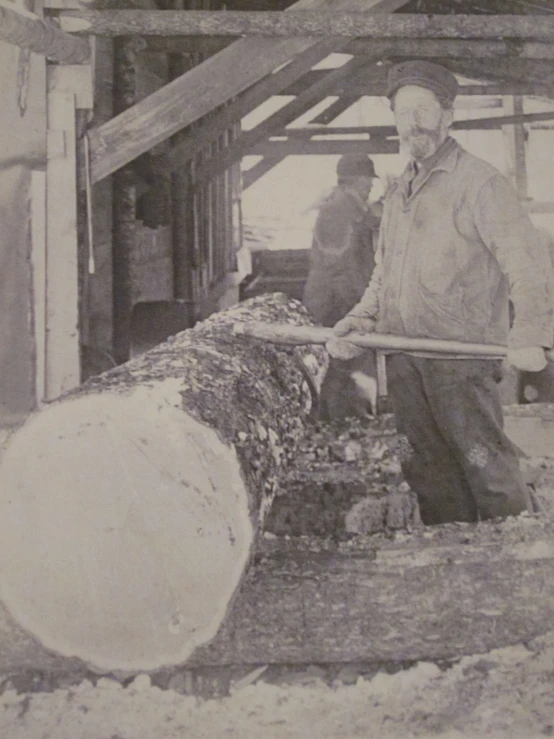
(429, 595)
(123, 542)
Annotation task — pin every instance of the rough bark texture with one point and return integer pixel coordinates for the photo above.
(198, 427)
(432, 594)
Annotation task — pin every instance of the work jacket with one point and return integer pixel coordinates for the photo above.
(342, 255)
(455, 245)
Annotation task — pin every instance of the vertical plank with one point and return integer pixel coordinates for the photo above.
(62, 360)
(38, 262)
(514, 137)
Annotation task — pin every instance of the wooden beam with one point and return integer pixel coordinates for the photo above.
(335, 109)
(452, 47)
(275, 149)
(207, 45)
(191, 142)
(374, 83)
(259, 169)
(282, 117)
(350, 23)
(481, 124)
(28, 31)
(202, 90)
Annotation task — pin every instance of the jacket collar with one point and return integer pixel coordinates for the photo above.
(445, 159)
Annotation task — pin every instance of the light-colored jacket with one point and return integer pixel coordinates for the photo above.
(453, 251)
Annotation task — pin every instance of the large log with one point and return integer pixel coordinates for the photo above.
(432, 594)
(129, 508)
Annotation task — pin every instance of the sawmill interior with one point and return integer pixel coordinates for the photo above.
(142, 432)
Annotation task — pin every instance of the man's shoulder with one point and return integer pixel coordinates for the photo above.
(475, 166)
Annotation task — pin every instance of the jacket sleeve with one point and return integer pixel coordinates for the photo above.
(523, 256)
(368, 306)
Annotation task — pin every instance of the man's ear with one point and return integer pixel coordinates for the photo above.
(449, 116)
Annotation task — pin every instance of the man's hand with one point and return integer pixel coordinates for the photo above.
(342, 348)
(354, 324)
(528, 359)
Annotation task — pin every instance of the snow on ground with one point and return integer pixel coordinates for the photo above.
(507, 693)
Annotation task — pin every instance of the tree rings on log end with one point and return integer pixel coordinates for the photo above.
(124, 528)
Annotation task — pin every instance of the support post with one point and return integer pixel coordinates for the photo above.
(62, 359)
(514, 138)
(124, 208)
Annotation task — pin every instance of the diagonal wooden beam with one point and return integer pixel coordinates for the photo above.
(299, 22)
(259, 169)
(28, 31)
(203, 89)
(191, 142)
(281, 118)
(335, 109)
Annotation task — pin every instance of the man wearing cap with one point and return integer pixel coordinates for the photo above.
(455, 245)
(341, 262)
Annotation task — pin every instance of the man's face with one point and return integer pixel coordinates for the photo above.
(362, 185)
(421, 121)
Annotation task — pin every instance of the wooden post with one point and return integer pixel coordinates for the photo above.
(124, 208)
(203, 89)
(62, 360)
(514, 138)
(38, 259)
(28, 31)
(299, 147)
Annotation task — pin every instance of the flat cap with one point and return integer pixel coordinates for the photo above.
(423, 74)
(355, 165)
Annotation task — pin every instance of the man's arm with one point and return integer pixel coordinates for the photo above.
(509, 233)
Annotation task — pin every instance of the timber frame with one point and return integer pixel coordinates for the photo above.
(166, 155)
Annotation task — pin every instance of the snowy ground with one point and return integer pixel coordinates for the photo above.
(506, 693)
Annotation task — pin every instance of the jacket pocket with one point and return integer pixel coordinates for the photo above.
(440, 316)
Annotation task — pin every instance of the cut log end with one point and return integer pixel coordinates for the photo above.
(124, 530)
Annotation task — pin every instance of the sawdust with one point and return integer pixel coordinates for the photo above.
(506, 693)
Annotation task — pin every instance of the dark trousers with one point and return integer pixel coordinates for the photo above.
(454, 453)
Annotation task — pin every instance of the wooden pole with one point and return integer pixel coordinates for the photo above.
(300, 335)
(350, 23)
(28, 31)
(62, 353)
(199, 92)
(124, 208)
(514, 137)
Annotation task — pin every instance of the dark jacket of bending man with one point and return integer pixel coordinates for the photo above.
(342, 260)
(455, 245)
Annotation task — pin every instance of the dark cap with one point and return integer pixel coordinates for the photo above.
(423, 74)
(355, 165)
